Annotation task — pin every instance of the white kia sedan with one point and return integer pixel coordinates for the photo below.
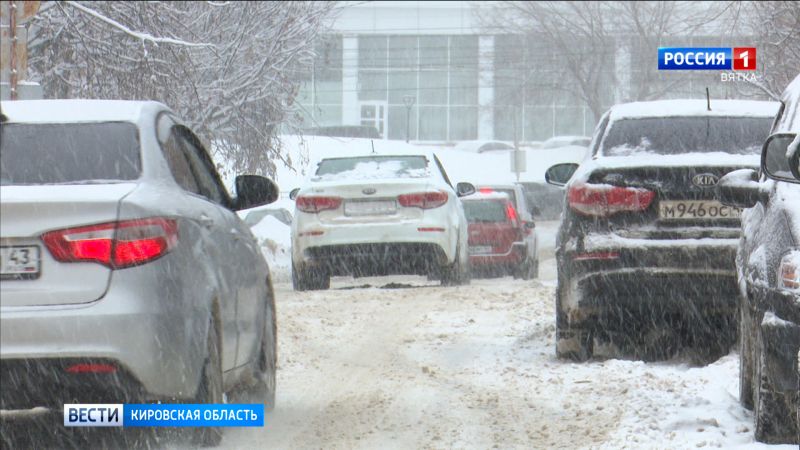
(379, 214)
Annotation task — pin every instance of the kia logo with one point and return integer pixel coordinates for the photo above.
(704, 180)
(369, 191)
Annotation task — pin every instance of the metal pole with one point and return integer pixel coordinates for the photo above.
(408, 122)
(12, 33)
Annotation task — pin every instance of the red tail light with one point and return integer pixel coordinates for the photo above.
(91, 368)
(315, 204)
(511, 213)
(485, 190)
(605, 200)
(114, 244)
(424, 200)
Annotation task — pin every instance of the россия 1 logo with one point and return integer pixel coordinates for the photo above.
(706, 58)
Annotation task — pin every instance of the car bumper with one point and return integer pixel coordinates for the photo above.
(610, 274)
(153, 350)
(514, 256)
(780, 332)
(370, 240)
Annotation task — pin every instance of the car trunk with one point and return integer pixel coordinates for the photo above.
(491, 229)
(684, 205)
(370, 201)
(26, 212)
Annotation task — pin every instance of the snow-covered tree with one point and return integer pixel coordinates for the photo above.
(229, 69)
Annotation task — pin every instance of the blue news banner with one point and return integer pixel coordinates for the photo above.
(164, 415)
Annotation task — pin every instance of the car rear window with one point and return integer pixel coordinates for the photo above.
(680, 135)
(68, 153)
(490, 211)
(372, 167)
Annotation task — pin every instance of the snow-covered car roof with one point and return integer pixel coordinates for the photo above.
(682, 108)
(562, 141)
(71, 111)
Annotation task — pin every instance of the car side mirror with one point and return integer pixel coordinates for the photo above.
(530, 225)
(465, 189)
(560, 174)
(293, 193)
(739, 188)
(254, 190)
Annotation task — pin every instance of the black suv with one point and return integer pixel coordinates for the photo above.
(768, 263)
(645, 251)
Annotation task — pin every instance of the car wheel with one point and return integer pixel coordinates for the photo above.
(774, 412)
(529, 270)
(261, 388)
(210, 389)
(456, 274)
(745, 359)
(574, 344)
(309, 280)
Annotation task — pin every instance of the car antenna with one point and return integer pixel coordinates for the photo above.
(708, 99)
(372, 141)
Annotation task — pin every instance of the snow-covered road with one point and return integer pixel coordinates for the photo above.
(403, 363)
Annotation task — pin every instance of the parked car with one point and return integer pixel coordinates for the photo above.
(379, 214)
(483, 146)
(127, 276)
(564, 141)
(497, 244)
(282, 214)
(768, 267)
(644, 251)
(345, 131)
(529, 266)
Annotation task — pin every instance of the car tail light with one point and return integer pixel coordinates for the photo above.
(789, 271)
(114, 244)
(315, 204)
(424, 200)
(486, 190)
(91, 368)
(511, 213)
(605, 200)
(594, 256)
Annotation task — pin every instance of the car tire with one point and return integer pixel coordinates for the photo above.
(210, 389)
(775, 420)
(262, 386)
(746, 368)
(309, 280)
(528, 270)
(456, 274)
(572, 344)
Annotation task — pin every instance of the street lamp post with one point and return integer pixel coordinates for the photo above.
(408, 100)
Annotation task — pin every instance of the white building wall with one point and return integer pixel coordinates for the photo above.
(350, 109)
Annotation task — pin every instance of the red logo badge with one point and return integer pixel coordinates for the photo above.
(744, 58)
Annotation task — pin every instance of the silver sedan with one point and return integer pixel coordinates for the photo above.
(126, 274)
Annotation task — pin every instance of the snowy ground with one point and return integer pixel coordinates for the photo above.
(400, 362)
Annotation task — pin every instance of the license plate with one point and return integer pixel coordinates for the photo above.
(696, 209)
(370, 208)
(19, 261)
(480, 249)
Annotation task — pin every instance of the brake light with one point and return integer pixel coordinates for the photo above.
(315, 204)
(91, 368)
(511, 213)
(486, 190)
(424, 200)
(596, 256)
(605, 200)
(114, 244)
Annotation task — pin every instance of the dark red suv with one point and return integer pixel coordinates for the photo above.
(496, 234)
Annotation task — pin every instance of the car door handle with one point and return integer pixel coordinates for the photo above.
(206, 221)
